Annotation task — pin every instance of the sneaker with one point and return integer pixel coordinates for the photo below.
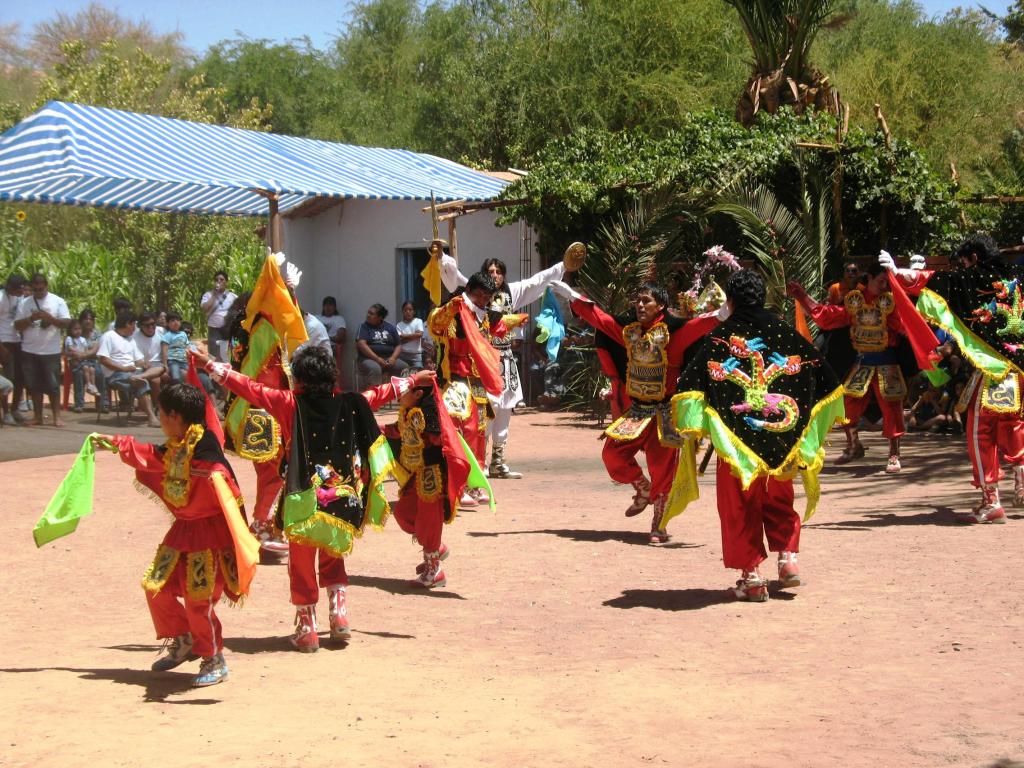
(467, 500)
(177, 650)
(442, 554)
(893, 466)
(751, 587)
(271, 540)
(339, 614)
(91, 389)
(850, 453)
(78, 408)
(789, 571)
(983, 513)
(9, 420)
(431, 576)
(480, 494)
(305, 638)
(213, 670)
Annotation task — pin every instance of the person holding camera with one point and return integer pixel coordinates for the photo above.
(40, 319)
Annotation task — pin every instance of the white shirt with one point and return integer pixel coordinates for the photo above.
(522, 293)
(217, 316)
(119, 350)
(333, 323)
(36, 339)
(8, 312)
(404, 329)
(317, 336)
(149, 347)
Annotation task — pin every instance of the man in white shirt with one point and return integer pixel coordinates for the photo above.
(216, 304)
(122, 363)
(148, 340)
(10, 345)
(317, 334)
(40, 318)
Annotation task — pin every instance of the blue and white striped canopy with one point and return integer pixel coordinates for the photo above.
(78, 155)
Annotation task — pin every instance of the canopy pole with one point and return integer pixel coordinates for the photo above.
(275, 232)
(453, 242)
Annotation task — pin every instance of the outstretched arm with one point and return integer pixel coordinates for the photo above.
(450, 274)
(827, 316)
(525, 292)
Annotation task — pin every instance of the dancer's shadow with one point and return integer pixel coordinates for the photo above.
(159, 686)
(400, 587)
(252, 645)
(589, 536)
(942, 516)
(385, 635)
(681, 599)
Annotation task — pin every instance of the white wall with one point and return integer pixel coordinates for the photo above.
(351, 252)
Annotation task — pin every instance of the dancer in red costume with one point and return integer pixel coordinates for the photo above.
(196, 562)
(468, 365)
(432, 470)
(979, 304)
(654, 346)
(332, 443)
(876, 324)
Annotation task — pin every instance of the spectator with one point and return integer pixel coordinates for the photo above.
(161, 321)
(121, 304)
(5, 389)
(377, 345)
(89, 331)
(317, 334)
(174, 348)
(215, 304)
(410, 333)
(40, 318)
(335, 324)
(838, 290)
(10, 346)
(122, 361)
(149, 343)
(76, 356)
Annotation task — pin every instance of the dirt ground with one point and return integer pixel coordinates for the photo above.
(562, 638)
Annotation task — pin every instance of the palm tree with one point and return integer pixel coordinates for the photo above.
(781, 33)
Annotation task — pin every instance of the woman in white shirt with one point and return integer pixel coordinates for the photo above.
(410, 333)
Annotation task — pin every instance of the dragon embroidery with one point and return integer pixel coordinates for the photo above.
(1008, 304)
(756, 397)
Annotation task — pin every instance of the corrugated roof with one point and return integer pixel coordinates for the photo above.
(78, 155)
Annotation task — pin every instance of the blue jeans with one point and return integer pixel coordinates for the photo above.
(121, 381)
(177, 369)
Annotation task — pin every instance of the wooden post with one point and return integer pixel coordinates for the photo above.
(275, 229)
(453, 244)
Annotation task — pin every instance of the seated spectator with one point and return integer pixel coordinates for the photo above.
(123, 362)
(378, 348)
(149, 343)
(410, 333)
(317, 334)
(76, 356)
(174, 348)
(121, 304)
(89, 332)
(335, 325)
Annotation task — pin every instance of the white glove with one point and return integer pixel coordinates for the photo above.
(278, 257)
(565, 291)
(292, 275)
(917, 261)
(218, 371)
(886, 260)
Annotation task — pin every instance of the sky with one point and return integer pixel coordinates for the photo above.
(204, 22)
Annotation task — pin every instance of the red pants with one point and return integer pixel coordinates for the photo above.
(268, 484)
(619, 458)
(892, 411)
(470, 429)
(423, 519)
(302, 572)
(171, 618)
(988, 434)
(765, 509)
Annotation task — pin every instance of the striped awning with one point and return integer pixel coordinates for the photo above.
(77, 155)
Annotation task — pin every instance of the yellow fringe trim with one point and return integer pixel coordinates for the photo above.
(1010, 365)
(761, 468)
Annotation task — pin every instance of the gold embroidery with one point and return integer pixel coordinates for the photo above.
(627, 428)
(456, 398)
(429, 482)
(229, 569)
(1001, 396)
(891, 383)
(648, 360)
(261, 436)
(869, 330)
(160, 569)
(200, 575)
(411, 427)
(178, 466)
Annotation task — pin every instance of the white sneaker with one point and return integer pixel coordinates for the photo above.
(9, 420)
(91, 389)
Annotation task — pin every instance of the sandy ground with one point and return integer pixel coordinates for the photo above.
(562, 638)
